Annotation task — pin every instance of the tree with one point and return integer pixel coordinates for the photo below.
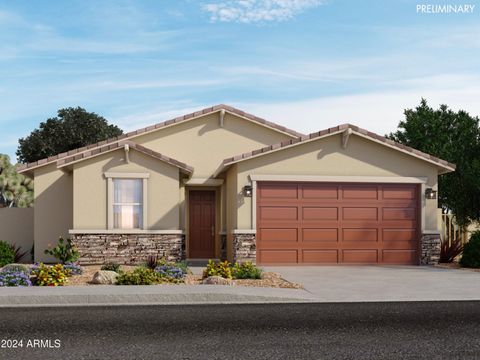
(16, 190)
(72, 128)
(455, 137)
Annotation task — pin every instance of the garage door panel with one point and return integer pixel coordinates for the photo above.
(278, 256)
(322, 235)
(359, 213)
(278, 191)
(399, 235)
(279, 234)
(278, 213)
(360, 235)
(359, 192)
(320, 256)
(319, 192)
(400, 256)
(360, 256)
(399, 213)
(401, 192)
(319, 213)
(338, 223)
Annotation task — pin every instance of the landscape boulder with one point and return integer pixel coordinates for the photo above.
(217, 280)
(104, 277)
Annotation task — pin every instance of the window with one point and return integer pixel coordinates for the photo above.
(127, 201)
(127, 204)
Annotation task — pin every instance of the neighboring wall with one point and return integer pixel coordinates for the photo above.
(53, 209)
(90, 190)
(16, 227)
(327, 157)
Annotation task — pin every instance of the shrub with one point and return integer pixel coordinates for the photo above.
(16, 268)
(7, 255)
(55, 275)
(73, 268)
(218, 268)
(111, 266)
(246, 270)
(152, 262)
(65, 251)
(471, 252)
(14, 278)
(168, 271)
(139, 276)
(449, 250)
(18, 253)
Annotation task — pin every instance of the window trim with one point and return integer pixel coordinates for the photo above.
(110, 176)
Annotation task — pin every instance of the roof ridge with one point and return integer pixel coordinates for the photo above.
(335, 129)
(178, 119)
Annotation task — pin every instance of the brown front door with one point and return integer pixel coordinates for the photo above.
(201, 224)
(314, 223)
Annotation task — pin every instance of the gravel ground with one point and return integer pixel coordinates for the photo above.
(269, 279)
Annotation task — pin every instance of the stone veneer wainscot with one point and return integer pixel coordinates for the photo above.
(128, 248)
(244, 247)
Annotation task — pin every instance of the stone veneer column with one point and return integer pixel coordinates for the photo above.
(244, 247)
(128, 248)
(430, 245)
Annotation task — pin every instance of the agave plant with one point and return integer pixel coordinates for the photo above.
(16, 190)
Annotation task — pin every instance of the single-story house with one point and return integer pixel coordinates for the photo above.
(222, 183)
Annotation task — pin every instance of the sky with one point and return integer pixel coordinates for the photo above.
(305, 64)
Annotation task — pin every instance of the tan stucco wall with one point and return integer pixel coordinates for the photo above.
(327, 157)
(231, 207)
(90, 190)
(203, 144)
(16, 227)
(53, 209)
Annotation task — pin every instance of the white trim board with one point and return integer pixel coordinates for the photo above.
(344, 179)
(133, 231)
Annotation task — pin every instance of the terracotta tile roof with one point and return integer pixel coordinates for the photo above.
(334, 130)
(119, 145)
(209, 110)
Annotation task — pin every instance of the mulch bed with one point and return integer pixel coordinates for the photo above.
(269, 279)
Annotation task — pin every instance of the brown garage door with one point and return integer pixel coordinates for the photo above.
(337, 223)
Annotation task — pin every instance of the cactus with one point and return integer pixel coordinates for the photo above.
(16, 190)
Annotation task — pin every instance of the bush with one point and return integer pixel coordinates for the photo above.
(449, 250)
(7, 255)
(14, 278)
(111, 266)
(218, 268)
(170, 271)
(139, 276)
(152, 261)
(471, 252)
(55, 275)
(73, 269)
(65, 251)
(246, 270)
(18, 253)
(16, 268)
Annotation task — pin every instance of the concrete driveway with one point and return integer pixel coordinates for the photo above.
(383, 283)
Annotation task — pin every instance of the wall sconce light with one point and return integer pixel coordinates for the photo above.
(247, 191)
(430, 194)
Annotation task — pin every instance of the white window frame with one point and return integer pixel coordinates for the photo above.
(110, 197)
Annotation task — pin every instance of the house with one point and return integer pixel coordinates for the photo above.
(222, 183)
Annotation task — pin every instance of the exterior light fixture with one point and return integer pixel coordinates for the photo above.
(247, 191)
(430, 194)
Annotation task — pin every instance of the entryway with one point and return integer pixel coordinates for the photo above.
(201, 242)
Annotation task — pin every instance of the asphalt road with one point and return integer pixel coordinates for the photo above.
(433, 330)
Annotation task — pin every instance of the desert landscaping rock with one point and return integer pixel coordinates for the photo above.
(105, 277)
(217, 280)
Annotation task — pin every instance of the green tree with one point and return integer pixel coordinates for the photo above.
(72, 128)
(455, 137)
(16, 190)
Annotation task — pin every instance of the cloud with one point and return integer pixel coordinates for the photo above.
(254, 11)
(378, 111)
